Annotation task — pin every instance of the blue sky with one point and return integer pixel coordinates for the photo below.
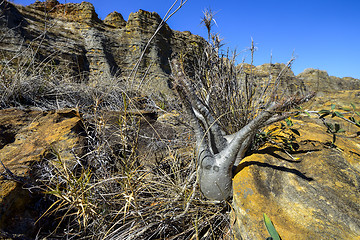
(323, 34)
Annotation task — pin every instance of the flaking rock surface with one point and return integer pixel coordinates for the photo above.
(26, 138)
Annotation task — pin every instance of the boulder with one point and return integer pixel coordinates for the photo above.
(315, 194)
(26, 138)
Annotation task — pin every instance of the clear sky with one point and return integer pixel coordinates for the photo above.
(323, 34)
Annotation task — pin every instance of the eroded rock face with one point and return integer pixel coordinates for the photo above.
(26, 138)
(320, 80)
(72, 36)
(316, 195)
(277, 73)
(310, 80)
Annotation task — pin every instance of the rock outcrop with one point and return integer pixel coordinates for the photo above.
(26, 138)
(277, 72)
(314, 195)
(72, 36)
(319, 80)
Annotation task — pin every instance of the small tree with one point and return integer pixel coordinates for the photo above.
(217, 151)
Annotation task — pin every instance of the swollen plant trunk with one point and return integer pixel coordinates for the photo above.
(216, 152)
(216, 169)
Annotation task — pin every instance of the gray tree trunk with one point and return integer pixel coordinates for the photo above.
(217, 153)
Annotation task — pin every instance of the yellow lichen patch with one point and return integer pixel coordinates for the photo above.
(42, 134)
(35, 135)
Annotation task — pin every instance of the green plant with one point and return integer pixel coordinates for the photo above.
(335, 128)
(271, 229)
(282, 135)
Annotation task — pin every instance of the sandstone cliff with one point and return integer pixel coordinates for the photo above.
(72, 36)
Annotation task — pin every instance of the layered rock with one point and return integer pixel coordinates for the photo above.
(72, 36)
(314, 195)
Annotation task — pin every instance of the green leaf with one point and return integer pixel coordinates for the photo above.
(307, 113)
(324, 111)
(357, 113)
(332, 106)
(353, 106)
(289, 122)
(270, 228)
(329, 126)
(337, 127)
(324, 115)
(338, 114)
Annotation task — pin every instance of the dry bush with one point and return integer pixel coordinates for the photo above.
(234, 96)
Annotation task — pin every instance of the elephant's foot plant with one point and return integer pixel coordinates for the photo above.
(217, 151)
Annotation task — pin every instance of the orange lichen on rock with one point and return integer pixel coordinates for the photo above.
(26, 138)
(314, 195)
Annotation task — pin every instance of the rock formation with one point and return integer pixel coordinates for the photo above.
(314, 195)
(276, 72)
(72, 36)
(26, 138)
(319, 80)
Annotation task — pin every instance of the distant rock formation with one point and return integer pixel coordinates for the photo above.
(276, 72)
(319, 80)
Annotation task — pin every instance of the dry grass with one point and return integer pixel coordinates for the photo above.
(111, 191)
(132, 198)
